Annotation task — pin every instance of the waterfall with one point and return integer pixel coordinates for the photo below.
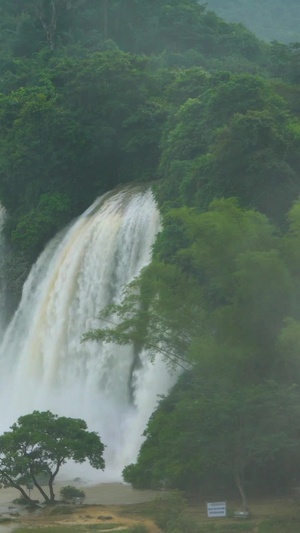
(43, 363)
(3, 253)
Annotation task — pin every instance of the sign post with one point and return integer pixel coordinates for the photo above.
(29, 486)
(216, 509)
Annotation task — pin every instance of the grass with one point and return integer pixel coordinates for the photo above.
(227, 528)
(276, 525)
(102, 527)
(55, 529)
(172, 518)
(268, 516)
(285, 524)
(83, 529)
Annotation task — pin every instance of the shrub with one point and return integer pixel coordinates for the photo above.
(20, 501)
(69, 492)
(4, 519)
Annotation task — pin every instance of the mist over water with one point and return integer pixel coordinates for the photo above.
(2, 270)
(43, 363)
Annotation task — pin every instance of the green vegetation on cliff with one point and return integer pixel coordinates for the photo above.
(221, 298)
(97, 93)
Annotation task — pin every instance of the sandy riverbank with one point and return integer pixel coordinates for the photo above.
(106, 499)
(102, 494)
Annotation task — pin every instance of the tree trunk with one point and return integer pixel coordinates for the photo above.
(38, 486)
(50, 28)
(22, 491)
(51, 481)
(19, 488)
(105, 19)
(239, 484)
(50, 484)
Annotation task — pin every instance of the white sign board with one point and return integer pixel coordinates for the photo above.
(216, 509)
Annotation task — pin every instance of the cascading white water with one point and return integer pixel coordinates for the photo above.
(43, 363)
(2, 277)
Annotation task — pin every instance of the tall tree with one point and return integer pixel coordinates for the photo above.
(49, 12)
(207, 432)
(39, 444)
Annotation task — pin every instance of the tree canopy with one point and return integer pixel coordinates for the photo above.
(97, 93)
(38, 444)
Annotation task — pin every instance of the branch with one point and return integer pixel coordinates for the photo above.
(95, 335)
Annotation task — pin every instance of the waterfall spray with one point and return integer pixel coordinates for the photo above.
(43, 363)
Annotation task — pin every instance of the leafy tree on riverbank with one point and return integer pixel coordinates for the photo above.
(39, 444)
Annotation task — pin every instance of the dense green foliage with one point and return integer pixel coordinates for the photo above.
(81, 112)
(136, 26)
(98, 93)
(270, 20)
(39, 444)
(235, 139)
(221, 298)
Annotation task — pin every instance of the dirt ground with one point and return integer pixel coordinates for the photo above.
(118, 503)
(87, 515)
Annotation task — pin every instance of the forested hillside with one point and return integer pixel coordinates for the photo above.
(81, 112)
(98, 93)
(271, 19)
